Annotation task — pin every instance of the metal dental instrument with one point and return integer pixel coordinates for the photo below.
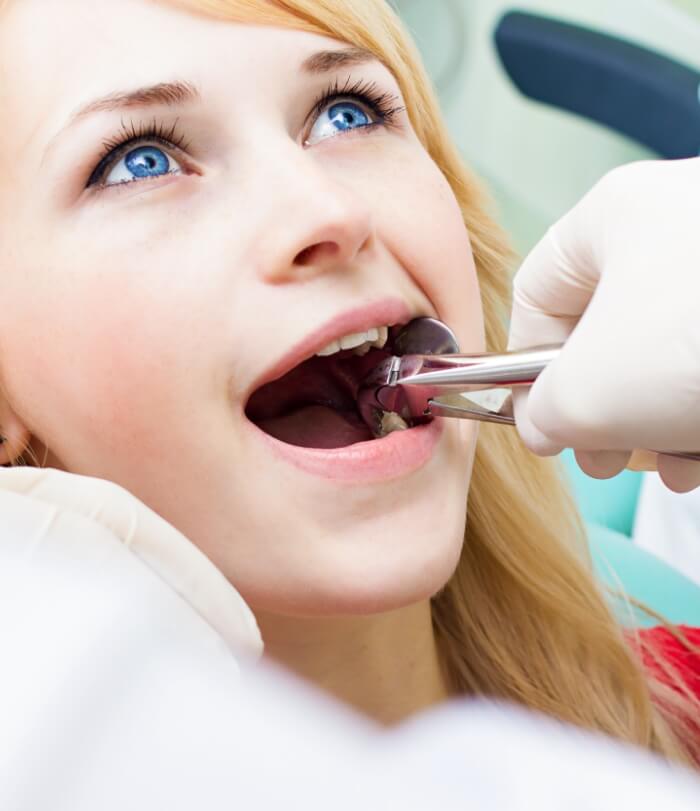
(426, 365)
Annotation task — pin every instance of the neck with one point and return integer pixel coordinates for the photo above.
(384, 665)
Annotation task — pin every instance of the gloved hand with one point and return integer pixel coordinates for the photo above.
(618, 279)
(53, 520)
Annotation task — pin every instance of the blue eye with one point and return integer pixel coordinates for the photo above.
(142, 162)
(126, 159)
(338, 117)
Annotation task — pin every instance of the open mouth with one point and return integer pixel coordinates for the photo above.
(314, 405)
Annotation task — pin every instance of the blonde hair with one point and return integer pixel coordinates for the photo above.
(522, 618)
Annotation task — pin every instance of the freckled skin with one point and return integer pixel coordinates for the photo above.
(133, 320)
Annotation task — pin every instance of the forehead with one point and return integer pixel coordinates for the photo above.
(57, 56)
(95, 31)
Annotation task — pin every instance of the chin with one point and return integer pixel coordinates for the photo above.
(363, 585)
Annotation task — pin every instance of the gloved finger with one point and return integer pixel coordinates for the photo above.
(679, 475)
(155, 541)
(642, 460)
(532, 437)
(602, 464)
(592, 397)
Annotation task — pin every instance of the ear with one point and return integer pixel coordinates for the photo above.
(16, 436)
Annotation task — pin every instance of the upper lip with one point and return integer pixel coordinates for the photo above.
(358, 319)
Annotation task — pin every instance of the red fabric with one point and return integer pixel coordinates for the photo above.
(685, 661)
(687, 664)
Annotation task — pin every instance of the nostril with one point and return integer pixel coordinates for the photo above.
(317, 253)
(304, 257)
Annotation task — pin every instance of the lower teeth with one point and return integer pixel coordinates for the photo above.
(390, 421)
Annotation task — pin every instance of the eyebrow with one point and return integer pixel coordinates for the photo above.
(326, 61)
(179, 93)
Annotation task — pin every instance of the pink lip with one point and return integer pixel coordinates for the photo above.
(399, 454)
(387, 311)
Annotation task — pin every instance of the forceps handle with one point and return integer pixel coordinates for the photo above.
(520, 367)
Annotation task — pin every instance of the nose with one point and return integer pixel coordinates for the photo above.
(316, 224)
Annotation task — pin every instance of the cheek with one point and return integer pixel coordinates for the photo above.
(428, 234)
(94, 369)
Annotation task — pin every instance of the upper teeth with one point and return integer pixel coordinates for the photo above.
(361, 342)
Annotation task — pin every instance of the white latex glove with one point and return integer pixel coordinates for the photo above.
(617, 279)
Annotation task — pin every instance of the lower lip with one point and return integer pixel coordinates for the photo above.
(377, 460)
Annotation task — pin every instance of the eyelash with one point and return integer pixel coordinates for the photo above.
(154, 131)
(382, 104)
(367, 92)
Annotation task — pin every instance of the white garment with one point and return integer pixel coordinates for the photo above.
(126, 686)
(668, 525)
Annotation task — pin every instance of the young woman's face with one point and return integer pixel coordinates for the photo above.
(138, 319)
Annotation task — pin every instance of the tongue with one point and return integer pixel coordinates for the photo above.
(316, 426)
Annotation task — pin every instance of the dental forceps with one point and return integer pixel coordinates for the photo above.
(435, 381)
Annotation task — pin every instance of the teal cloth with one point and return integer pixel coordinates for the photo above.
(608, 507)
(609, 502)
(621, 564)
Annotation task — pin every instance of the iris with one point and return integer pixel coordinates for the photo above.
(345, 115)
(147, 161)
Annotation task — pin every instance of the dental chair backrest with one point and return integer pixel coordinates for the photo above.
(643, 94)
(536, 158)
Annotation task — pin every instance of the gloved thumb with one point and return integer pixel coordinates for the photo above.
(551, 290)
